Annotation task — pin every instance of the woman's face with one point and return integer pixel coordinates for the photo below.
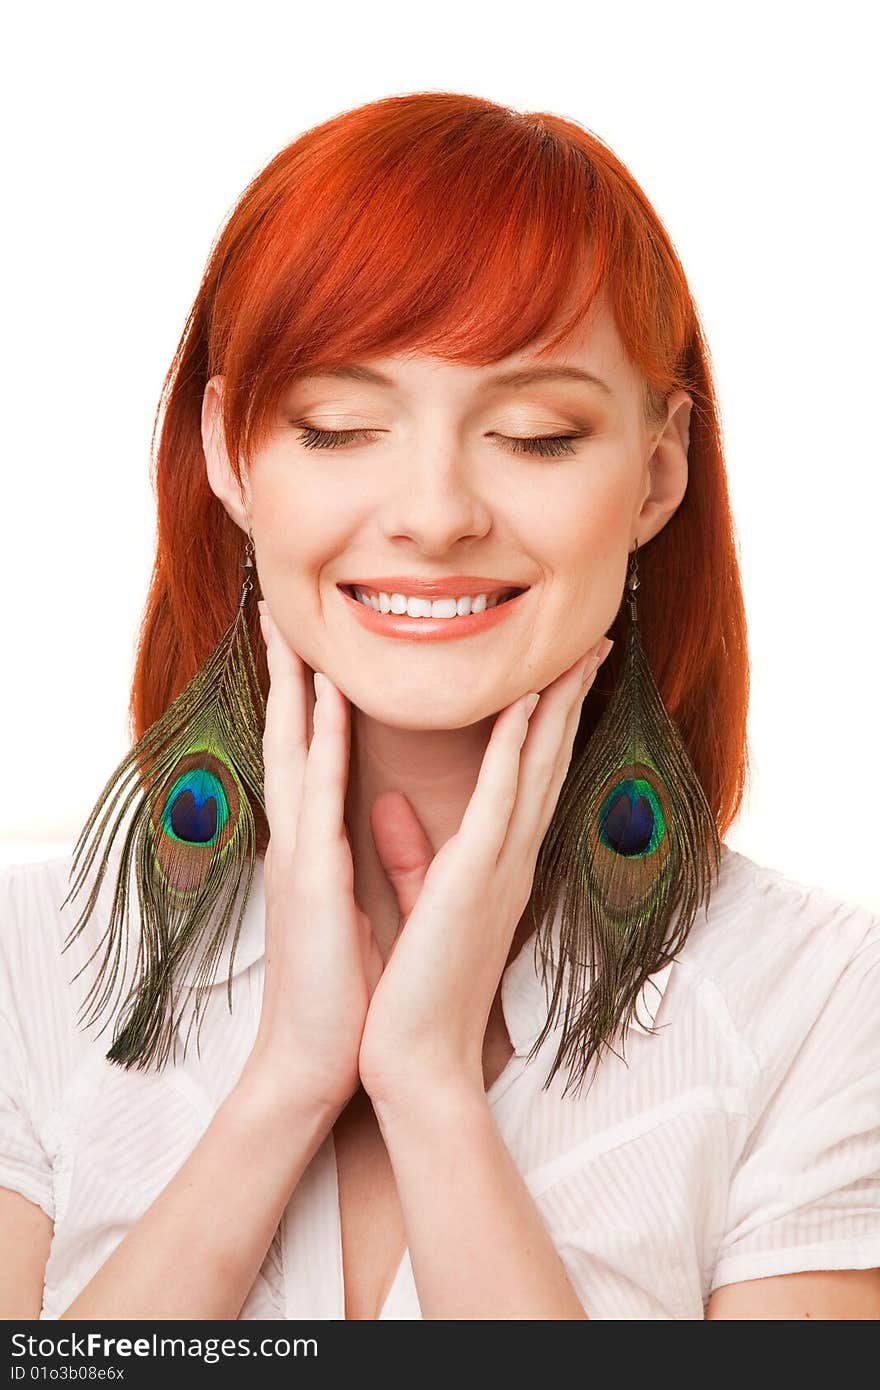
(437, 487)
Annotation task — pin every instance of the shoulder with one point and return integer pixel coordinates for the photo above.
(770, 954)
(43, 982)
(760, 925)
(46, 934)
(31, 924)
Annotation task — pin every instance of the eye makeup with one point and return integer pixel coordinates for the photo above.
(547, 446)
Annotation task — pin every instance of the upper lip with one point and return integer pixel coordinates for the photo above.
(453, 586)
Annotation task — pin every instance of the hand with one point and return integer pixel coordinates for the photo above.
(321, 958)
(459, 910)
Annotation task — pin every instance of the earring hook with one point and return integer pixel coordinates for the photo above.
(632, 583)
(249, 568)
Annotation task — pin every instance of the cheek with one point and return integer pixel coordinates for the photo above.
(580, 536)
(580, 539)
(299, 528)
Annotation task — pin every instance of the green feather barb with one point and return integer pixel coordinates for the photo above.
(634, 844)
(193, 776)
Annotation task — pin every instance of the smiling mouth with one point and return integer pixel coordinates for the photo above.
(369, 598)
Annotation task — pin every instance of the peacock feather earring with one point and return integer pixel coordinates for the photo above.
(635, 842)
(191, 840)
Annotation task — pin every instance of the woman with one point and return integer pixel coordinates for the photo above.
(490, 1022)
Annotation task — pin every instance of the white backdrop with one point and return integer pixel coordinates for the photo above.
(130, 134)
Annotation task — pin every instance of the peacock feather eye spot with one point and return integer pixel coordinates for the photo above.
(196, 820)
(196, 808)
(197, 824)
(631, 819)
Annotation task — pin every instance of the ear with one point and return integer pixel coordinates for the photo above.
(221, 476)
(667, 469)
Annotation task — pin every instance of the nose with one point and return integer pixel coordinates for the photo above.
(435, 503)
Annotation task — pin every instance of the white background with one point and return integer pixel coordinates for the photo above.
(129, 135)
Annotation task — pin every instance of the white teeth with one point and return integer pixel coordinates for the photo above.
(442, 608)
(425, 607)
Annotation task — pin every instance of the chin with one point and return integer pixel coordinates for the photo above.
(439, 721)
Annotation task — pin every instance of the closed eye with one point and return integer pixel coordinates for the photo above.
(547, 445)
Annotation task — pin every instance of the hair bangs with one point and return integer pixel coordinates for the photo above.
(455, 246)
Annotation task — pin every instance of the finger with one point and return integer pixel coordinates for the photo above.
(284, 734)
(404, 850)
(487, 814)
(322, 808)
(547, 753)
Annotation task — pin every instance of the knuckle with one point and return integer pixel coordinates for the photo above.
(545, 765)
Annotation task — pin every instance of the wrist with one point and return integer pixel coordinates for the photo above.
(276, 1105)
(433, 1101)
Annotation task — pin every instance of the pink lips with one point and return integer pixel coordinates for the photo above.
(432, 629)
(446, 586)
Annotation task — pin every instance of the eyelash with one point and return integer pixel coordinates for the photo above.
(550, 445)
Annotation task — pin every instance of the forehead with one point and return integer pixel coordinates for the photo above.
(594, 343)
(591, 356)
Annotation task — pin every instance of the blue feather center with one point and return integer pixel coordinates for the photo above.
(630, 819)
(196, 810)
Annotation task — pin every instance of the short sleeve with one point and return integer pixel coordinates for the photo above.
(24, 1165)
(805, 1194)
(25, 999)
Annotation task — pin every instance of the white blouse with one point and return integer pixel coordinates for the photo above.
(739, 1141)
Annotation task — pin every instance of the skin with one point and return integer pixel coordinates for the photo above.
(437, 491)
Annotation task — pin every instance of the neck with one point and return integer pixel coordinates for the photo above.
(437, 771)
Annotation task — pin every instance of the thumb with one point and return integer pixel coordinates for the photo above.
(404, 850)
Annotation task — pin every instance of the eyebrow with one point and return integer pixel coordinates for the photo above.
(525, 376)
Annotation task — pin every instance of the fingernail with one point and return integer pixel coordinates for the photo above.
(320, 685)
(530, 702)
(261, 604)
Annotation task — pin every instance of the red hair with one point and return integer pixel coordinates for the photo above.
(450, 224)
